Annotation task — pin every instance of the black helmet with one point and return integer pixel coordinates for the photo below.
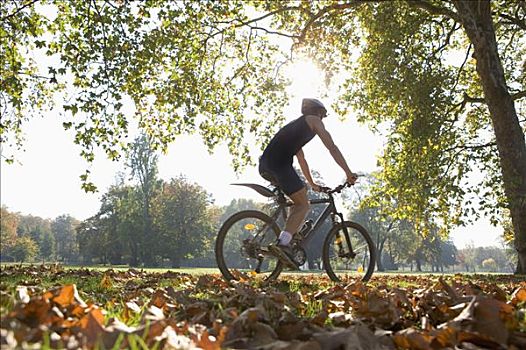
(312, 106)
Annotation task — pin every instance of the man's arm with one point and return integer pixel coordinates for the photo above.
(306, 170)
(317, 126)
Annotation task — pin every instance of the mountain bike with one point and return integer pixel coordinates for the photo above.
(242, 242)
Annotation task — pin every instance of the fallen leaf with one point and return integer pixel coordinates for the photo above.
(358, 337)
(92, 326)
(518, 296)
(65, 296)
(411, 338)
(106, 282)
(488, 317)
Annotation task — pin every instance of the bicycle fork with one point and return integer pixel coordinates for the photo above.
(350, 254)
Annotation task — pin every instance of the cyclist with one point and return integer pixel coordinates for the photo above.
(275, 165)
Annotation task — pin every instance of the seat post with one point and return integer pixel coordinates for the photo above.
(280, 196)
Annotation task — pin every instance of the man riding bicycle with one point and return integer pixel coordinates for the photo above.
(275, 165)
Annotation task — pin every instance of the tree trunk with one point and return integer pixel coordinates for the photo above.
(134, 259)
(380, 249)
(418, 265)
(175, 261)
(478, 24)
(147, 252)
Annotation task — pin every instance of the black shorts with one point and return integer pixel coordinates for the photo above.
(283, 176)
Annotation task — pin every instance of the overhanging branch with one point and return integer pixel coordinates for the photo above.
(314, 17)
(273, 32)
(515, 96)
(30, 3)
(521, 23)
(462, 104)
(518, 95)
(453, 29)
(436, 10)
(460, 148)
(237, 23)
(470, 99)
(268, 14)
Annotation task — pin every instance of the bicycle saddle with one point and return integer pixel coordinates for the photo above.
(262, 190)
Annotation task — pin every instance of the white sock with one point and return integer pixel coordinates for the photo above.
(285, 238)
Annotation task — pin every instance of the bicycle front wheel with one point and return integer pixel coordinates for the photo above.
(349, 251)
(242, 247)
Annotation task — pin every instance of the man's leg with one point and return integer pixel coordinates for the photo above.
(298, 212)
(294, 221)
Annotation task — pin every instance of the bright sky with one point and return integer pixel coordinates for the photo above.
(45, 180)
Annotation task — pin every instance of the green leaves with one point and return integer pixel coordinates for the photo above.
(212, 68)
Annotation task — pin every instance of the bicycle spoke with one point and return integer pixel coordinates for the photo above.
(241, 248)
(360, 247)
(354, 260)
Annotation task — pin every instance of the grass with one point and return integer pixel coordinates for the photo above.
(133, 342)
(190, 270)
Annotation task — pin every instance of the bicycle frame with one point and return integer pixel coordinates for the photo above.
(262, 229)
(330, 210)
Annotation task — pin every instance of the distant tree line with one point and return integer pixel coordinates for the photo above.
(32, 238)
(487, 259)
(182, 233)
(143, 222)
(184, 226)
(402, 244)
(153, 222)
(183, 229)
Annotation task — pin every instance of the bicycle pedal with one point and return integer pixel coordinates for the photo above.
(283, 258)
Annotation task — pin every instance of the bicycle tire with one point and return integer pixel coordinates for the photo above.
(227, 226)
(357, 231)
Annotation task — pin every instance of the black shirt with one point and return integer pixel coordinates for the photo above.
(287, 142)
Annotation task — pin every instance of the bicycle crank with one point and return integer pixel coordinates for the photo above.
(299, 254)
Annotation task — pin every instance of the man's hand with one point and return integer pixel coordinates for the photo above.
(316, 187)
(352, 177)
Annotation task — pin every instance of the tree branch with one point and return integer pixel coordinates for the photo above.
(433, 9)
(521, 23)
(273, 32)
(271, 13)
(247, 59)
(462, 148)
(453, 29)
(325, 10)
(104, 49)
(461, 104)
(515, 96)
(470, 99)
(518, 95)
(31, 3)
(247, 23)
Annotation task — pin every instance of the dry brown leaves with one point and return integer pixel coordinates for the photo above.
(297, 312)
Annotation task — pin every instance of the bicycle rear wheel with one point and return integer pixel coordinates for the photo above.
(241, 247)
(352, 257)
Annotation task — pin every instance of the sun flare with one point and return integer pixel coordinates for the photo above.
(306, 78)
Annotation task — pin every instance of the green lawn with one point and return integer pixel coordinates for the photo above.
(190, 270)
(211, 270)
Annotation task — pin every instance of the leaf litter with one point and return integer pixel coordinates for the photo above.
(181, 311)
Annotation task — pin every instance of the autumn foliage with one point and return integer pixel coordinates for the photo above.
(137, 309)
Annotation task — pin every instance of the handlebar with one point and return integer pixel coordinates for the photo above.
(337, 189)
